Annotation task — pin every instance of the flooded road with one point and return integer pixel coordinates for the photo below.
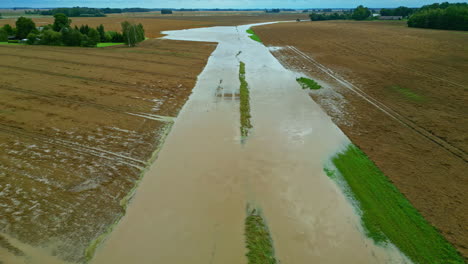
(191, 205)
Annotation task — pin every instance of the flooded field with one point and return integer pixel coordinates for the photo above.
(191, 205)
(77, 129)
(404, 103)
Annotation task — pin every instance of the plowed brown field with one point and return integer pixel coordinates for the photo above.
(77, 128)
(401, 95)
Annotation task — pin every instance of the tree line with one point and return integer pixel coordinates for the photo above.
(61, 33)
(441, 16)
(445, 15)
(87, 11)
(359, 13)
(399, 11)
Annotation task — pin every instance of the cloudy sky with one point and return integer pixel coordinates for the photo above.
(216, 3)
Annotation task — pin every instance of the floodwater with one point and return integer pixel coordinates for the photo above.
(191, 205)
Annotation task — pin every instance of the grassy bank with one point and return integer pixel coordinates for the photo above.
(258, 240)
(245, 123)
(253, 35)
(387, 215)
(307, 83)
(108, 44)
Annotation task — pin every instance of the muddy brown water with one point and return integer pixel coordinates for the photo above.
(191, 205)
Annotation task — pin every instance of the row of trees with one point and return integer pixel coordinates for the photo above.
(74, 12)
(87, 12)
(61, 33)
(399, 11)
(441, 16)
(360, 13)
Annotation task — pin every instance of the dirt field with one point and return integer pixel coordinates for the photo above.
(77, 127)
(400, 94)
(154, 23)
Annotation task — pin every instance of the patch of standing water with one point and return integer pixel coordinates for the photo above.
(191, 205)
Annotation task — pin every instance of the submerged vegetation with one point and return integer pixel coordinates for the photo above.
(253, 35)
(244, 102)
(258, 240)
(307, 83)
(387, 215)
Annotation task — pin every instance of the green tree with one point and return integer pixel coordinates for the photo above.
(3, 35)
(102, 33)
(32, 38)
(51, 37)
(361, 13)
(84, 29)
(94, 37)
(24, 26)
(132, 34)
(9, 30)
(61, 21)
(71, 37)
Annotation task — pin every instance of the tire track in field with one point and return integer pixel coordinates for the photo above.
(118, 110)
(109, 155)
(382, 107)
(390, 62)
(96, 65)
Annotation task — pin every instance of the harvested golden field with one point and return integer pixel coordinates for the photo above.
(400, 94)
(78, 126)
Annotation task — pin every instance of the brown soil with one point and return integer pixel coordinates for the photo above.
(409, 115)
(77, 126)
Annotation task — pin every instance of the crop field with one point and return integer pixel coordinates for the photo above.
(400, 95)
(77, 128)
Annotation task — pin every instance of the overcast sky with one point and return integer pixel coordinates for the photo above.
(216, 3)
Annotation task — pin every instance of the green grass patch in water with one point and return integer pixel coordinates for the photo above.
(407, 93)
(387, 216)
(253, 35)
(258, 240)
(108, 44)
(244, 95)
(307, 83)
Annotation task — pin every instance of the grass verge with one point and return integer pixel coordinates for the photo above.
(407, 93)
(107, 44)
(258, 239)
(307, 83)
(10, 43)
(244, 93)
(253, 35)
(387, 216)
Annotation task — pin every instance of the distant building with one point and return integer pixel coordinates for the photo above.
(390, 17)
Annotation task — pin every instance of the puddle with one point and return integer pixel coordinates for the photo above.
(191, 205)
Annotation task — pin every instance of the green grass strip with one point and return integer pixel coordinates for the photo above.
(253, 35)
(10, 43)
(108, 44)
(258, 239)
(387, 215)
(307, 83)
(244, 93)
